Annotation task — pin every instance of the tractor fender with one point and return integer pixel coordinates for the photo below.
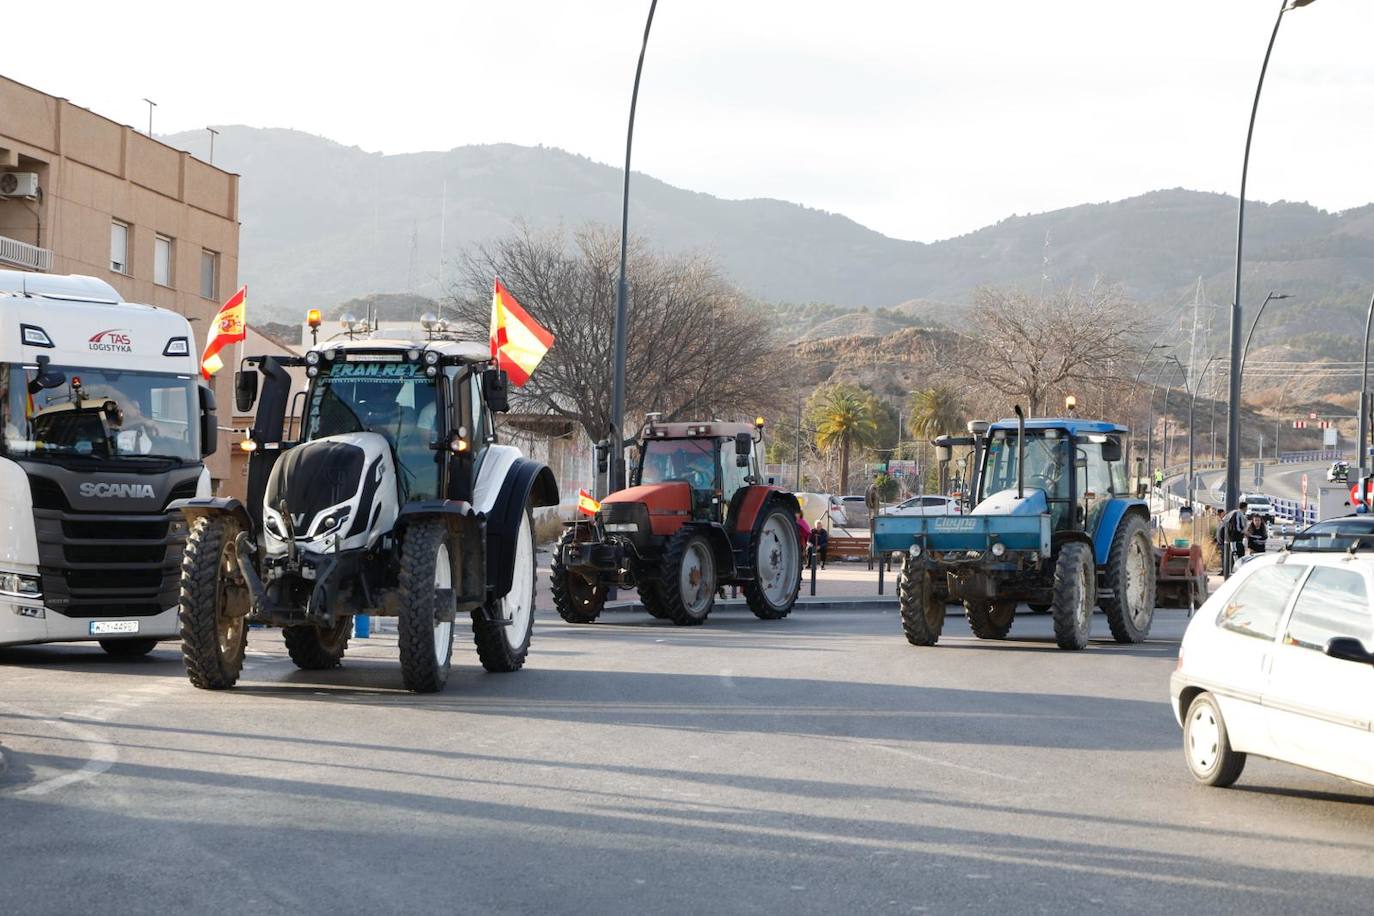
(747, 505)
(1113, 513)
(525, 483)
(205, 506)
(434, 508)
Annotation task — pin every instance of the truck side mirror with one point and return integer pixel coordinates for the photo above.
(209, 419)
(245, 389)
(743, 442)
(48, 377)
(496, 390)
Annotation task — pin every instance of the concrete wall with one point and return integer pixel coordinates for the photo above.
(92, 171)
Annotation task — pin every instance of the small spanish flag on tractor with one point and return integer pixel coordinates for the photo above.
(586, 504)
(518, 342)
(229, 326)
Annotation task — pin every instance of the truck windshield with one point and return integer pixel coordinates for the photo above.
(393, 399)
(1047, 464)
(99, 413)
(692, 460)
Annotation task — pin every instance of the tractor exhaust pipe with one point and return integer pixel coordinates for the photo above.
(1020, 452)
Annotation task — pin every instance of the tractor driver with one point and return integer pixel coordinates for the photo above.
(685, 461)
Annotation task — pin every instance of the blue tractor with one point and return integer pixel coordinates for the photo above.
(1052, 523)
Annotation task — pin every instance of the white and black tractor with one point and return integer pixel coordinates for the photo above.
(379, 489)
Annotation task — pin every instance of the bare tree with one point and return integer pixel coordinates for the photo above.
(1030, 347)
(694, 348)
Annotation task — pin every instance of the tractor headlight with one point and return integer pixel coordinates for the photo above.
(21, 586)
(915, 551)
(430, 372)
(312, 371)
(431, 357)
(312, 358)
(622, 528)
(412, 355)
(999, 550)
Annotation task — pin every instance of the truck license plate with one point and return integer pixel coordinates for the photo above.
(112, 627)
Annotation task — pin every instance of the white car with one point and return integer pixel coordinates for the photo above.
(1258, 504)
(1277, 664)
(925, 505)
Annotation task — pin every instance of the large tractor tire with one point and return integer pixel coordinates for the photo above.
(128, 648)
(687, 578)
(652, 598)
(775, 551)
(575, 599)
(214, 604)
(425, 627)
(314, 648)
(1130, 575)
(504, 647)
(922, 616)
(990, 619)
(1073, 595)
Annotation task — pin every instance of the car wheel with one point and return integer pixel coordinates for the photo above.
(1207, 746)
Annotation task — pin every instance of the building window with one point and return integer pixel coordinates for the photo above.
(209, 274)
(162, 260)
(119, 247)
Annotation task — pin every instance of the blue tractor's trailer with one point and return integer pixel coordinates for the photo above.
(1053, 524)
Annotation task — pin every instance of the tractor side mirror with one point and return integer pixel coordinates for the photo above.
(209, 420)
(496, 390)
(603, 459)
(743, 443)
(245, 389)
(1111, 449)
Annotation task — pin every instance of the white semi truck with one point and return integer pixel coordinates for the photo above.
(104, 423)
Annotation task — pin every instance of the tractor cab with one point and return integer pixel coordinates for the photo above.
(715, 460)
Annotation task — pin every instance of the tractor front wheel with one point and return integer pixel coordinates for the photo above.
(214, 604)
(922, 616)
(1131, 579)
(688, 578)
(576, 599)
(775, 551)
(990, 619)
(425, 627)
(1073, 595)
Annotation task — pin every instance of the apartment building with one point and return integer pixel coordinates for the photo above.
(82, 194)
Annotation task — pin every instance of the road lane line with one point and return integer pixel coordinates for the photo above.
(103, 754)
(935, 761)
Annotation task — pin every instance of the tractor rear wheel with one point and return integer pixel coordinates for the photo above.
(576, 599)
(504, 647)
(687, 578)
(1073, 595)
(1131, 579)
(314, 648)
(214, 604)
(990, 619)
(652, 598)
(425, 627)
(922, 616)
(775, 551)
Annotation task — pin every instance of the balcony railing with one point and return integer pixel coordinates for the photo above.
(21, 254)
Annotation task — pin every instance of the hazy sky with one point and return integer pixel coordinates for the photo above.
(920, 119)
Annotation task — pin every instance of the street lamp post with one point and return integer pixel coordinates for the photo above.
(617, 475)
(1362, 446)
(1233, 419)
(1192, 403)
(1249, 335)
(1150, 426)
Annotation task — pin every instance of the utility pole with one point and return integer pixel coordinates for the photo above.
(799, 425)
(213, 134)
(151, 106)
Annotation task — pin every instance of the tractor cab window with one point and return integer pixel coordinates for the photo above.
(690, 460)
(392, 399)
(1049, 464)
(733, 477)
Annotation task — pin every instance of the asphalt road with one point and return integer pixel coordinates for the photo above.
(1280, 482)
(813, 765)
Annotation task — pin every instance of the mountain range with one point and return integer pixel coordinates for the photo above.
(323, 223)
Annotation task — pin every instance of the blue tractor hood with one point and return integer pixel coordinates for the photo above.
(1005, 502)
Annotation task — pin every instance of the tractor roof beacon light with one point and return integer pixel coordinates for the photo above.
(313, 319)
(1071, 404)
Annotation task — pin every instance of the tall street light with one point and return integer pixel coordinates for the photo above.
(617, 438)
(1192, 403)
(1249, 335)
(1233, 420)
(1150, 426)
(1362, 445)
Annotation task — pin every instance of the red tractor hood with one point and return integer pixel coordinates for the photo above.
(672, 498)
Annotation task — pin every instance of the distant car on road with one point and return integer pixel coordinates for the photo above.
(925, 505)
(1278, 664)
(1258, 504)
(1339, 471)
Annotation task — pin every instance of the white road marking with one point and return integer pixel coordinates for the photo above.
(727, 675)
(103, 754)
(943, 763)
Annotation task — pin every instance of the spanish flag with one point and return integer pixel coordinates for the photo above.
(586, 504)
(230, 326)
(518, 342)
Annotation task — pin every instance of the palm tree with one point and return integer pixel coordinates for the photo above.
(936, 411)
(845, 420)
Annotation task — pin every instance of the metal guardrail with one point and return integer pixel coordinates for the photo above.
(1304, 457)
(22, 254)
(1290, 511)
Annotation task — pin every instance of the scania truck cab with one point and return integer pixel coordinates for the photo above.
(104, 422)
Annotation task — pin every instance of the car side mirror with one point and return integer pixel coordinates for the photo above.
(245, 389)
(496, 390)
(1349, 649)
(209, 420)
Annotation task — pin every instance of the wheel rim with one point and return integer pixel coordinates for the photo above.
(1204, 738)
(518, 604)
(696, 579)
(777, 561)
(1085, 608)
(232, 601)
(1137, 582)
(443, 629)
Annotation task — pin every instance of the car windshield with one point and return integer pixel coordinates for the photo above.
(692, 460)
(1336, 534)
(98, 413)
(1047, 463)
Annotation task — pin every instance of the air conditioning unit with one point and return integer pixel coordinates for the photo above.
(19, 184)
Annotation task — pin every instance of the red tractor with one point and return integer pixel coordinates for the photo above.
(696, 517)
